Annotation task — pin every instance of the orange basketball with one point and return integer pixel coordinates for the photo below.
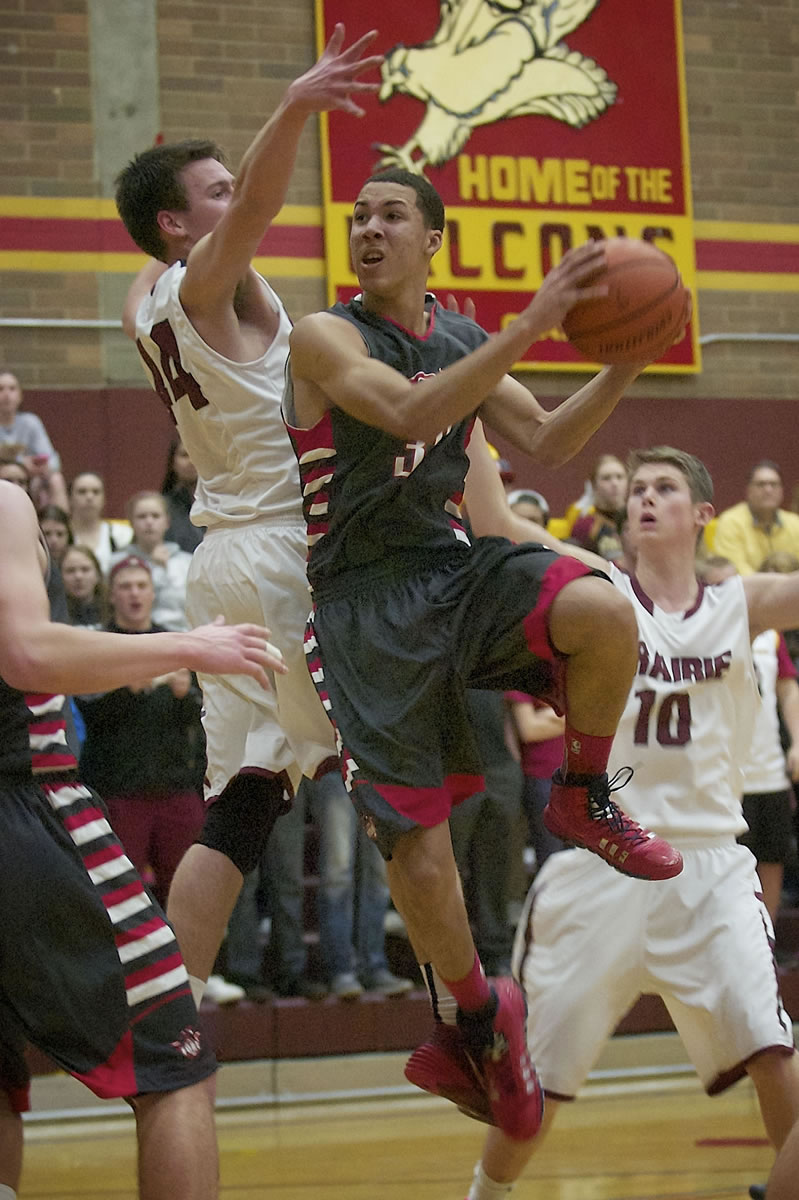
(643, 312)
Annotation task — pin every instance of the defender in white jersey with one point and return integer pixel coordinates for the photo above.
(588, 945)
(213, 336)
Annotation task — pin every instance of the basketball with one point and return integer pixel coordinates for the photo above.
(643, 312)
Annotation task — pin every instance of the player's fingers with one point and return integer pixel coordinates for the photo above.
(366, 64)
(470, 309)
(357, 48)
(591, 291)
(261, 677)
(249, 630)
(349, 106)
(336, 40)
(276, 660)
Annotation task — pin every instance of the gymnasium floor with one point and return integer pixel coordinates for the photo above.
(639, 1132)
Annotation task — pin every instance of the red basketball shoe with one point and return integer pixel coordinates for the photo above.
(499, 1047)
(441, 1065)
(582, 812)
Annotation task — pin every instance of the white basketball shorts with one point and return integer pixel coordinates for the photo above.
(256, 573)
(590, 941)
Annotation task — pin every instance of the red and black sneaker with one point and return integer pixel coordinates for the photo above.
(581, 811)
(498, 1044)
(442, 1066)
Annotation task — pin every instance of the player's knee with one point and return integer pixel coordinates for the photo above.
(591, 612)
(239, 822)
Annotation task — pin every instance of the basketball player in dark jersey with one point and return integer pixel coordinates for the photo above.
(89, 969)
(384, 399)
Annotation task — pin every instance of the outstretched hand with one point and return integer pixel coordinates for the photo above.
(329, 82)
(221, 649)
(567, 283)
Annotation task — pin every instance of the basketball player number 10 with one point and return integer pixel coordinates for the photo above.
(672, 722)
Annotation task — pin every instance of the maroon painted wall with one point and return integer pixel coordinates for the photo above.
(728, 435)
(124, 433)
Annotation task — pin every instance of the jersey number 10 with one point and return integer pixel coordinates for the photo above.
(672, 720)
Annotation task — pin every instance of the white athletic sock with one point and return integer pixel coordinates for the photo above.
(484, 1188)
(445, 1006)
(197, 991)
(7, 1193)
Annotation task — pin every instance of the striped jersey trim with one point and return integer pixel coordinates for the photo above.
(145, 943)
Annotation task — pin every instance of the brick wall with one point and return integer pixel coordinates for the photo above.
(223, 67)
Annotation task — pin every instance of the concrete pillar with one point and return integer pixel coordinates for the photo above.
(123, 44)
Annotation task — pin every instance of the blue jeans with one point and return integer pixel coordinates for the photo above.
(353, 892)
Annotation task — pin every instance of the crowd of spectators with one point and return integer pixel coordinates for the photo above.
(130, 575)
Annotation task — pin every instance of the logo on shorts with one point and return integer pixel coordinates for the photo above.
(575, 746)
(189, 1043)
(369, 826)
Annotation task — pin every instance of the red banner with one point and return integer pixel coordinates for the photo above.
(540, 124)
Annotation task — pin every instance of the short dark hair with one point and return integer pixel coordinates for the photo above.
(428, 201)
(764, 464)
(694, 470)
(151, 182)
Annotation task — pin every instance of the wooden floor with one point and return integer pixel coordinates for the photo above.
(650, 1143)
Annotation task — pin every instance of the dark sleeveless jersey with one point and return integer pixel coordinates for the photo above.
(34, 729)
(368, 497)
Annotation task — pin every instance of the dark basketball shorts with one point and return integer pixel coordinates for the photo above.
(392, 655)
(90, 971)
(770, 821)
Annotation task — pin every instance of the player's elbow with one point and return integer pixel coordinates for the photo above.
(412, 422)
(548, 454)
(24, 668)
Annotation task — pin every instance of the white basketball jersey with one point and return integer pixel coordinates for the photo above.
(688, 722)
(764, 768)
(227, 413)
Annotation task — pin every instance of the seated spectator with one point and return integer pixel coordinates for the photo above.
(597, 530)
(169, 565)
(529, 504)
(144, 745)
(178, 488)
(16, 472)
(23, 438)
(89, 527)
(749, 532)
(84, 586)
(57, 531)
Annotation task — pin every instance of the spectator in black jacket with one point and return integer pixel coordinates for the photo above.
(144, 745)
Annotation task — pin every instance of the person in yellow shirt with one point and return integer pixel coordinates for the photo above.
(748, 532)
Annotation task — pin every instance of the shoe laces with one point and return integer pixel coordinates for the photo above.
(602, 808)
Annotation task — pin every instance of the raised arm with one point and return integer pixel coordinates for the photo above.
(552, 438)
(37, 655)
(773, 601)
(220, 260)
(330, 366)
